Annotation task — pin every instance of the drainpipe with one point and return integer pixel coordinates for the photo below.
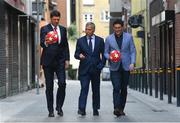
(19, 52)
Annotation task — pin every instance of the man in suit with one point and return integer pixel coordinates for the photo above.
(119, 71)
(90, 50)
(54, 59)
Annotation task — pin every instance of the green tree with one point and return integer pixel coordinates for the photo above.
(72, 32)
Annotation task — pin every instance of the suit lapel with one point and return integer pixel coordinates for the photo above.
(123, 41)
(95, 43)
(50, 27)
(61, 30)
(86, 43)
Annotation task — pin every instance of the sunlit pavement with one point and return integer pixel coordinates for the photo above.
(30, 107)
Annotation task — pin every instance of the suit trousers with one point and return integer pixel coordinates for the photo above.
(119, 80)
(49, 79)
(95, 85)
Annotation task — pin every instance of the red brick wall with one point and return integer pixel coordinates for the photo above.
(177, 39)
(171, 4)
(63, 9)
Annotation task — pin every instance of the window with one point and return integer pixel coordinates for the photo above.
(91, 18)
(88, 18)
(85, 18)
(104, 16)
(88, 2)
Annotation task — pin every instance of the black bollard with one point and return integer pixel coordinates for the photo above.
(156, 82)
(136, 79)
(139, 80)
(161, 83)
(178, 86)
(169, 85)
(150, 82)
(145, 80)
(142, 80)
(133, 80)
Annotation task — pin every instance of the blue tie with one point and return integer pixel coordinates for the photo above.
(90, 44)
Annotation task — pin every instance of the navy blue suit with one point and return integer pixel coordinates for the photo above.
(90, 69)
(53, 60)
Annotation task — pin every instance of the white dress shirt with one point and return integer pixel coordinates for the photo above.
(58, 31)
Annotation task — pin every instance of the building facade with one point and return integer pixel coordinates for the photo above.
(64, 7)
(138, 8)
(17, 52)
(177, 33)
(67, 9)
(96, 11)
(162, 44)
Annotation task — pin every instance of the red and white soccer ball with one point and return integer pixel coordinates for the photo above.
(115, 56)
(52, 37)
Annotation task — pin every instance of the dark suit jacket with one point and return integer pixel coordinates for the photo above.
(92, 61)
(54, 53)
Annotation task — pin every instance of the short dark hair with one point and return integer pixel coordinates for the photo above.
(118, 21)
(90, 23)
(55, 13)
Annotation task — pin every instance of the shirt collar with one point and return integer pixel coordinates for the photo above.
(93, 37)
(120, 35)
(54, 26)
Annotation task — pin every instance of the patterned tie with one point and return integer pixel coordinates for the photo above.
(55, 30)
(90, 43)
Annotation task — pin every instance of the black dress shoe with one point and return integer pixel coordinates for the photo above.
(51, 114)
(117, 112)
(60, 112)
(122, 112)
(81, 112)
(95, 113)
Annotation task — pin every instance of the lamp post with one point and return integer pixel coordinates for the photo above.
(37, 51)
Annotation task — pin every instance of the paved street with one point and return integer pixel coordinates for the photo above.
(29, 107)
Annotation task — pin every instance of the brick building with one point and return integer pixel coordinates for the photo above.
(164, 46)
(177, 33)
(17, 52)
(62, 7)
(96, 11)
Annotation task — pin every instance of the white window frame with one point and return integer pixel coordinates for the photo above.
(104, 16)
(87, 18)
(88, 2)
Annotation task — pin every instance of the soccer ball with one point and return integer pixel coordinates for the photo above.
(52, 37)
(115, 56)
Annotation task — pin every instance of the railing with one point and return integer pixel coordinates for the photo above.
(158, 80)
